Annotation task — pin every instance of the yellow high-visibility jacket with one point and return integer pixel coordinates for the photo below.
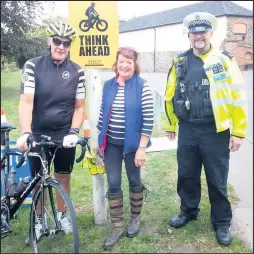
(228, 95)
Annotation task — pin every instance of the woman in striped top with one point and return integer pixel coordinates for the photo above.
(125, 126)
(116, 127)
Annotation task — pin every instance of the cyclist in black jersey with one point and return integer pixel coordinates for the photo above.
(52, 103)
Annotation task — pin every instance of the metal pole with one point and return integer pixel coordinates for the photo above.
(94, 99)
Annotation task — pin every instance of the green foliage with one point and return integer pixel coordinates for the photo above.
(36, 43)
(160, 177)
(21, 35)
(17, 18)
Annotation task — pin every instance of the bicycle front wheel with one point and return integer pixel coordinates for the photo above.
(53, 231)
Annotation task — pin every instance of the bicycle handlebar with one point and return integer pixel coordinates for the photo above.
(46, 142)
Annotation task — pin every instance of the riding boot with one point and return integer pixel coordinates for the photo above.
(116, 216)
(136, 202)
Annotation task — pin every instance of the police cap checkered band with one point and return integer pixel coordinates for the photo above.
(200, 22)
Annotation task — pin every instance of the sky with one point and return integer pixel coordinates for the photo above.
(130, 9)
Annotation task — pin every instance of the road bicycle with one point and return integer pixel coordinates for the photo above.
(44, 202)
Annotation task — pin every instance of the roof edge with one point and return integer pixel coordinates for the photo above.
(170, 24)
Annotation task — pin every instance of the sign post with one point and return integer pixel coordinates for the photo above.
(96, 25)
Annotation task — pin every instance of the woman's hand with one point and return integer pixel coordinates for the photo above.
(140, 157)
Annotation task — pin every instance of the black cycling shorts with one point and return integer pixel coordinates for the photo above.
(64, 157)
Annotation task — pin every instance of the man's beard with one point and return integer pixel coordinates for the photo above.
(201, 44)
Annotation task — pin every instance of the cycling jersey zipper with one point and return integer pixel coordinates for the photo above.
(55, 85)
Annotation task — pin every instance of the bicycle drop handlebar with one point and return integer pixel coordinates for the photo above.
(47, 142)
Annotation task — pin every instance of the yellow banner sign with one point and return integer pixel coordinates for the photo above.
(96, 25)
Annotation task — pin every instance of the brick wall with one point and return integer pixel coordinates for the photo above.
(239, 39)
(162, 62)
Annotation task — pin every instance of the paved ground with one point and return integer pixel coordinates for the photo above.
(241, 162)
(241, 174)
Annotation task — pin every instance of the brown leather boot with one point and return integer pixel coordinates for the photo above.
(116, 216)
(136, 202)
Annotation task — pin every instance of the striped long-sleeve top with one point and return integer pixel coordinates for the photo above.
(116, 127)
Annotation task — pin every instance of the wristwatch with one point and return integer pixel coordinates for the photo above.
(74, 130)
(142, 147)
(27, 132)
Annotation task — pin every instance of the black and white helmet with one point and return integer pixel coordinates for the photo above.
(61, 28)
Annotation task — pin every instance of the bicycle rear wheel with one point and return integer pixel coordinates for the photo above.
(52, 236)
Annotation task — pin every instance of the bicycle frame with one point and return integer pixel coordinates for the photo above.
(41, 175)
(5, 162)
(24, 195)
(6, 168)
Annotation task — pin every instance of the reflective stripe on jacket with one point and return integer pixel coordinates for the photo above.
(228, 95)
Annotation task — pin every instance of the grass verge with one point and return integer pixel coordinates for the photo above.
(159, 176)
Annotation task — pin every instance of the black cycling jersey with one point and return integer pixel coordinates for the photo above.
(55, 89)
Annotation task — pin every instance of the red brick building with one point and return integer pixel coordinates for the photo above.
(239, 39)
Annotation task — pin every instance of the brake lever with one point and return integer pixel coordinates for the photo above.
(81, 157)
(83, 143)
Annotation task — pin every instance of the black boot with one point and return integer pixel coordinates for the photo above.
(116, 216)
(136, 202)
(223, 236)
(181, 220)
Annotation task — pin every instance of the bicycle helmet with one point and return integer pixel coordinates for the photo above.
(61, 28)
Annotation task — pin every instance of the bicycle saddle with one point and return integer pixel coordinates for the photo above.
(7, 126)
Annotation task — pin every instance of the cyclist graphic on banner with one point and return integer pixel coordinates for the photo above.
(92, 17)
(91, 13)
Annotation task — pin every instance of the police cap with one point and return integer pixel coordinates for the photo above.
(199, 22)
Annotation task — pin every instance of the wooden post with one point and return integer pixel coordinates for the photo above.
(93, 89)
(157, 110)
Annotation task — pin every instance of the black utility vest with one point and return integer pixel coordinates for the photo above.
(192, 102)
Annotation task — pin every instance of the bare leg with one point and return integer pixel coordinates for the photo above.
(38, 207)
(64, 180)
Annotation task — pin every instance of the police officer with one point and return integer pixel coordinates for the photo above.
(206, 98)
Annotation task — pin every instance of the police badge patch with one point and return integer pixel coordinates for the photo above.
(217, 68)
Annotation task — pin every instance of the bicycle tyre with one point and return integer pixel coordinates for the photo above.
(50, 182)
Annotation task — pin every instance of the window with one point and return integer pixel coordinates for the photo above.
(248, 58)
(240, 28)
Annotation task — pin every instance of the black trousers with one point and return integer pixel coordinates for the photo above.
(200, 144)
(113, 159)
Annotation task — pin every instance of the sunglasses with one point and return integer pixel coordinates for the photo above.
(129, 49)
(58, 42)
